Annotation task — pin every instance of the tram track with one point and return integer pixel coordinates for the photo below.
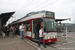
(53, 45)
(58, 45)
(40, 46)
(48, 46)
(33, 44)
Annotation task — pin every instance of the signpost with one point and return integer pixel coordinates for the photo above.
(65, 35)
(66, 30)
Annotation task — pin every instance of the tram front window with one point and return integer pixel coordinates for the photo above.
(49, 24)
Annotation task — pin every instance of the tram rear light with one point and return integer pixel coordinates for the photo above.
(54, 36)
(48, 37)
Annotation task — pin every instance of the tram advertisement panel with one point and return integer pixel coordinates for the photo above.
(49, 14)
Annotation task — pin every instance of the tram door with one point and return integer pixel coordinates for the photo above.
(33, 33)
(34, 23)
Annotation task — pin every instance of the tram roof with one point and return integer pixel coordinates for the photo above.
(5, 16)
(31, 13)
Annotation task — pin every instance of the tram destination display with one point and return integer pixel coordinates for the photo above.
(49, 14)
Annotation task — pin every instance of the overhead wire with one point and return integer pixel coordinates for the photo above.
(28, 4)
(36, 6)
(43, 6)
(22, 6)
(49, 4)
(16, 3)
(25, 6)
(40, 5)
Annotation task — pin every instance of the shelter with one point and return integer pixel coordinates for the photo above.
(4, 18)
(59, 27)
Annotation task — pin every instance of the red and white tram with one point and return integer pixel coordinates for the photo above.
(43, 18)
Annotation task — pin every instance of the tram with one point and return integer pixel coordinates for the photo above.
(43, 18)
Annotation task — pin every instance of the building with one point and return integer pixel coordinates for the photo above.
(62, 27)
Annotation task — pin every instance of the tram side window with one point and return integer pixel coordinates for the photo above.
(28, 25)
(18, 24)
(24, 23)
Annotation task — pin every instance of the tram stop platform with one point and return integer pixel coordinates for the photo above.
(14, 43)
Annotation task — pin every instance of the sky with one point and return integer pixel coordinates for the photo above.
(62, 8)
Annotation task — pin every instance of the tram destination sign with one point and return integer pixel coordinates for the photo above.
(49, 14)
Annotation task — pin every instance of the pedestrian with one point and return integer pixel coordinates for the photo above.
(21, 28)
(11, 31)
(36, 31)
(25, 30)
(2, 31)
(41, 36)
(4, 28)
(8, 31)
(16, 30)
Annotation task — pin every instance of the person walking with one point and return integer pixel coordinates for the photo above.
(41, 36)
(11, 31)
(21, 28)
(4, 28)
(37, 31)
(3, 32)
(8, 31)
(16, 30)
(25, 30)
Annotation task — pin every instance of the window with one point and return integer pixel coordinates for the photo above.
(49, 24)
(28, 25)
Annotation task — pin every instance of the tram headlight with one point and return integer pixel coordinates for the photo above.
(54, 36)
(48, 37)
